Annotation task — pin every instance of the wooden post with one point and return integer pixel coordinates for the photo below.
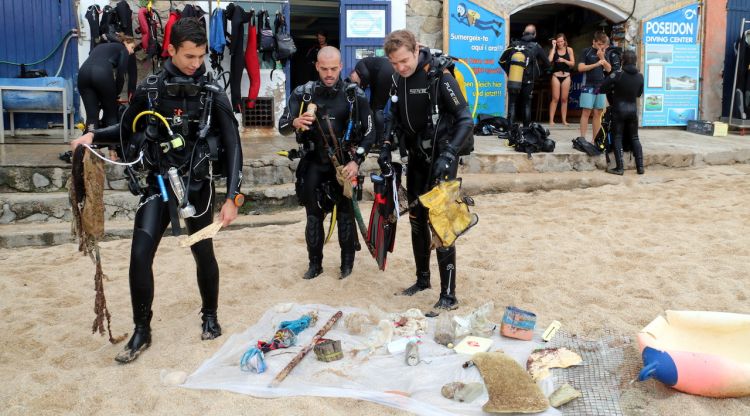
(300, 355)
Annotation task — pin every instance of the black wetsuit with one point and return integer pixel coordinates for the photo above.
(317, 188)
(237, 17)
(625, 88)
(537, 65)
(98, 87)
(183, 112)
(429, 146)
(376, 73)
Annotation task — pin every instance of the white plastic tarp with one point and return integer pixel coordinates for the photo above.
(377, 377)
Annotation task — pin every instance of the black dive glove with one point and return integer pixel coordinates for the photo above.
(442, 167)
(384, 160)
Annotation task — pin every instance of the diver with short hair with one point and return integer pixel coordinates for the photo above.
(434, 121)
(168, 124)
(334, 127)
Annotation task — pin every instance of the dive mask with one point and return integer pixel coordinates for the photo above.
(182, 87)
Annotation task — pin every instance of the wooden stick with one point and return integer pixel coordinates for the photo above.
(296, 360)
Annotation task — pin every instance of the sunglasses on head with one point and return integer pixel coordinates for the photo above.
(182, 87)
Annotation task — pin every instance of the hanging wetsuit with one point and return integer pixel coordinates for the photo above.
(174, 16)
(376, 73)
(125, 25)
(251, 62)
(92, 16)
(217, 41)
(237, 16)
(434, 149)
(98, 88)
(124, 17)
(625, 87)
(183, 110)
(317, 187)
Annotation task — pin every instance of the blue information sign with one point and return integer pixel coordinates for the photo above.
(478, 37)
(672, 68)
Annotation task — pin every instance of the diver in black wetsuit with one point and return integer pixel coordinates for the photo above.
(99, 89)
(375, 73)
(178, 94)
(434, 141)
(531, 73)
(625, 87)
(317, 187)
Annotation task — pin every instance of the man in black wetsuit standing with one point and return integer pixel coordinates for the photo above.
(537, 64)
(375, 73)
(625, 87)
(435, 138)
(176, 97)
(334, 128)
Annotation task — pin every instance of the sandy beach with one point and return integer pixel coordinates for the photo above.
(608, 258)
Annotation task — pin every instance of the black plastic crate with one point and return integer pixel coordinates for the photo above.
(262, 115)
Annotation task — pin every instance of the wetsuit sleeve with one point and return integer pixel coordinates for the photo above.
(365, 121)
(504, 60)
(290, 112)
(132, 75)
(608, 85)
(364, 74)
(111, 134)
(122, 67)
(230, 139)
(542, 58)
(640, 87)
(453, 102)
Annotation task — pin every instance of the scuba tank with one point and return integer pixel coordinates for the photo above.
(517, 66)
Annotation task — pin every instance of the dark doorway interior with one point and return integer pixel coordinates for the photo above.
(308, 17)
(578, 24)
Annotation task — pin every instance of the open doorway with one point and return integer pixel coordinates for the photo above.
(307, 19)
(578, 24)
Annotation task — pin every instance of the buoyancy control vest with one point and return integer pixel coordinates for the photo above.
(421, 118)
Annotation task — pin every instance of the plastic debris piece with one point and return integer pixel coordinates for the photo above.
(540, 361)
(564, 394)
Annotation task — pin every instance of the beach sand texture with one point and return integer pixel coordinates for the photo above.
(611, 258)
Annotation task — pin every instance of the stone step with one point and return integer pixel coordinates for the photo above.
(30, 232)
(676, 149)
(54, 207)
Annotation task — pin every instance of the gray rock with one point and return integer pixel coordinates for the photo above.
(38, 217)
(8, 216)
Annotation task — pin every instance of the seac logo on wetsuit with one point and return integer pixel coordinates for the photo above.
(418, 91)
(453, 94)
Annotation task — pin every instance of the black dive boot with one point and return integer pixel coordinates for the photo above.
(423, 282)
(447, 266)
(211, 327)
(618, 170)
(348, 243)
(420, 244)
(314, 240)
(141, 338)
(638, 153)
(347, 263)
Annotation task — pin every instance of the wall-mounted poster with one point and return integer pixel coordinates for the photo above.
(478, 36)
(365, 23)
(672, 59)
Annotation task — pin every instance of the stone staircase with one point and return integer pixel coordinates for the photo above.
(36, 194)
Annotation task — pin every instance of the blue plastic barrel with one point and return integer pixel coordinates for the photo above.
(19, 100)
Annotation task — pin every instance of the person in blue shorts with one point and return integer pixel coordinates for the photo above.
(594, 65)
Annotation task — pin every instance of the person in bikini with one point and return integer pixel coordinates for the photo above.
(562, 59)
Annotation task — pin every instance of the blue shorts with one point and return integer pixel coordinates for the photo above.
(592, 99)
